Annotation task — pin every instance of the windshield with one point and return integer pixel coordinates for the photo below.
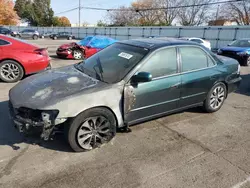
(240, 43)
(113, 63)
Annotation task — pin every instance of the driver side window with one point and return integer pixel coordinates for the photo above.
(162, 63)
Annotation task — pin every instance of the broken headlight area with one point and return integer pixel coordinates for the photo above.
(27, 119)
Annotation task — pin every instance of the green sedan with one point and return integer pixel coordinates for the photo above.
(126, 83)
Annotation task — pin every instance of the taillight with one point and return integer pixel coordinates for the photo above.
(42, 51)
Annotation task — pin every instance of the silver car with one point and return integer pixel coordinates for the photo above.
(29, 34)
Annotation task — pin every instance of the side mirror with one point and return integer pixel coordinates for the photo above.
(141, 77)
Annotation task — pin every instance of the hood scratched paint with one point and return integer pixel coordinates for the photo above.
(51, 86)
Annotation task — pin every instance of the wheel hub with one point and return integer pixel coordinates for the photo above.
(9, 71)
(217, 97)
(93, 132)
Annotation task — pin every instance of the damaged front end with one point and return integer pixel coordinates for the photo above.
(28, 120)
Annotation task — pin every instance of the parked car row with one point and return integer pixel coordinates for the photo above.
(34, 34)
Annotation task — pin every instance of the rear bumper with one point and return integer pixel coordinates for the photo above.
(234, 84)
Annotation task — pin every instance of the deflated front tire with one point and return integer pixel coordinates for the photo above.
(91, 129)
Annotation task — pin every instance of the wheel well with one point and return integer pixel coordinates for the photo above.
(107, 108)
(16, 62)
(226, 87)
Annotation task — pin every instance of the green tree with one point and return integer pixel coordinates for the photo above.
(100, 23)
(61, 21)
(36, 12)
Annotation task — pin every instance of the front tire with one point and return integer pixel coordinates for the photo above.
(55, 37)
(11, 71)
(69, 38)
(215, 98)
(91, 129)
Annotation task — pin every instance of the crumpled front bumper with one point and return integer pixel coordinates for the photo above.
(27, 125)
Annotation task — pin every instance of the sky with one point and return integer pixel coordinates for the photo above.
(89, 16)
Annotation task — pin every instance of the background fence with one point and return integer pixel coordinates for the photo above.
(218, 36)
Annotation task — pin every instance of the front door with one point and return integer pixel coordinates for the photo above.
(198, 75)
(161, 95)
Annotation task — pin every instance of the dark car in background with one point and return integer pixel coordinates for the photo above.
(124, 84)
(239, 50)
(46, 34)
(6, 31)
(29, 34)
(62, 35)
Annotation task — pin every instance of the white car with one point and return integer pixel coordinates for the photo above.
(205, 43)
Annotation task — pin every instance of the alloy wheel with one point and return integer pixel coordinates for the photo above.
(217, 97)
(10, 71)
(77, 54)
(93, 132)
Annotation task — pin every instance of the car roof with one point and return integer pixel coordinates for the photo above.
(155, 43)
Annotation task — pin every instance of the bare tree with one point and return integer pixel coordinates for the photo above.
(238, 11)
(170, 13)
(144, 16)
(124, 17)
(194, 15)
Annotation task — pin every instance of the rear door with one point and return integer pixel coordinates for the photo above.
(159, 96)
(198, 75)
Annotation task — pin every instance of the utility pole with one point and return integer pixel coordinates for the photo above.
(217, 13)
(79, 13)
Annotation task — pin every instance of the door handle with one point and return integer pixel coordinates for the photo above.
(175, 86)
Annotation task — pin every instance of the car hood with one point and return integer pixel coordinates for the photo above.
(235, 49)
(51, 86)
(67, 46)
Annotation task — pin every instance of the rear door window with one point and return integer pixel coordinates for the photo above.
(161, 63)
(194, 58)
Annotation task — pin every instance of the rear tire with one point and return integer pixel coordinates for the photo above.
(215, 98)
(55, 37)
(11, 71)
(91, 129)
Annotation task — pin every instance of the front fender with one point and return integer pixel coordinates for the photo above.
(73, 106)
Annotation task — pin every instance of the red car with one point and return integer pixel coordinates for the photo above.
(19, 58)
(84, 48)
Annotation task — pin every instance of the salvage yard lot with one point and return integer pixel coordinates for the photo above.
(188, 149)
